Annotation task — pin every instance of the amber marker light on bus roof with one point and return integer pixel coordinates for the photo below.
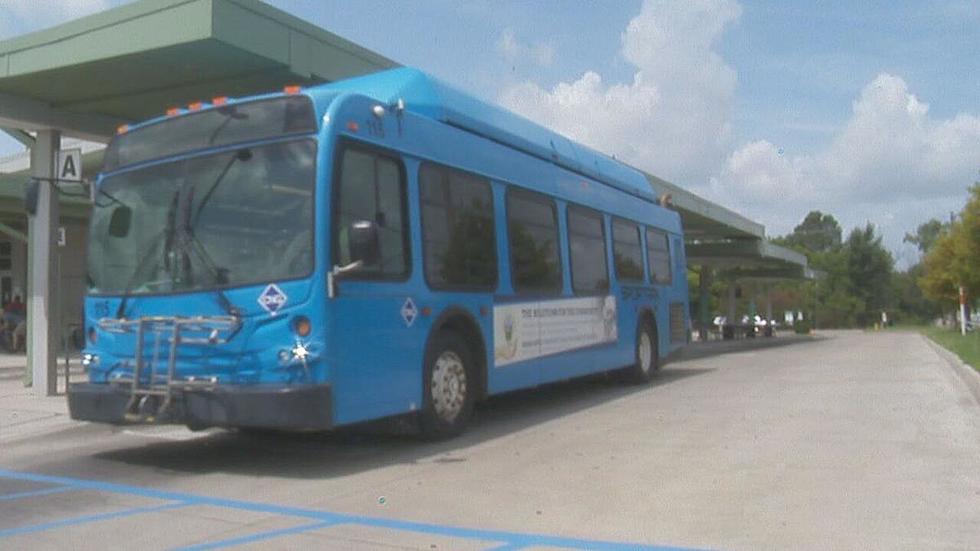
(122, 129)
(173, 111)
(196, 106)
(352, 126)
(220, 100)
(292, 89)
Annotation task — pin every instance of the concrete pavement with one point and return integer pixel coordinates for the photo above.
(22, 415)
(855, 441)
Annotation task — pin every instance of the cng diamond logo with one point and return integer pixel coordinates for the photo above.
(272, 299)
(409, 312)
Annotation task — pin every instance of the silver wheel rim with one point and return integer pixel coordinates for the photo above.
(448, 385)
(645, 352)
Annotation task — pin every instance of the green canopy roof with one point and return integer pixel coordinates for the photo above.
(130, 63)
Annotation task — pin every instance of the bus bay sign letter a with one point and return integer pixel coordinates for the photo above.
(70, 165)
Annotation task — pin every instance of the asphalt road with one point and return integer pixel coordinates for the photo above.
(852, 441)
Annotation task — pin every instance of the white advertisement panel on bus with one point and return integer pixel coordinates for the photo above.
(527, 330)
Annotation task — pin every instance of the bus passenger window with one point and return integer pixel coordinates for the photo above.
(627, 251)
(372, 188)
(658, 253)
(532, 229)
(457, 229)
(587, 248)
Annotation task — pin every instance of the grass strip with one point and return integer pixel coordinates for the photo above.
(966, 347)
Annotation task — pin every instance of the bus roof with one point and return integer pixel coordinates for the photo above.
(429, 97)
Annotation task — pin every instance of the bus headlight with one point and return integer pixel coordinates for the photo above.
(301, 352)
(90, 359)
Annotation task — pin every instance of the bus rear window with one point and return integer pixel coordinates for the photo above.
(228, 124)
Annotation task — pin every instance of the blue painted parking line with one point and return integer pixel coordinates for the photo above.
(86, 519)
(36, 493)
(509, 540)
(260, 536)
(507, 547)
(173, 496)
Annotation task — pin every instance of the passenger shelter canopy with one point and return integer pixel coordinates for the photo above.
(88, 76)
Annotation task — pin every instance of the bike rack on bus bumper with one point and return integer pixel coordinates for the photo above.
(194, 331)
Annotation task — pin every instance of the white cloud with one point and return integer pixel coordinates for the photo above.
(673, 118)
(890, 163)
(23, 16)
(515, 51)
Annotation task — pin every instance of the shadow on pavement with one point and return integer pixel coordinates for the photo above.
(379, 444)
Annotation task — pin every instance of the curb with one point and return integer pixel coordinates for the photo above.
(969, 376)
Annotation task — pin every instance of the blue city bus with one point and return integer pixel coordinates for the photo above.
(366, 248)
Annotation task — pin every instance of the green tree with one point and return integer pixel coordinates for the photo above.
(954, 260)
(817, 233)
(926, 235)
(940, 281)
(911, 304)
(869, 271)
(836, 304)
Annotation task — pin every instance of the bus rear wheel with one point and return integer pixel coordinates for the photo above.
(646, 363)
(449, 385)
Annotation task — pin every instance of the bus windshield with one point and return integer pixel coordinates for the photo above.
(222, 220)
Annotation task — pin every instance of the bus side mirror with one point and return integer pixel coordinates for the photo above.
(120, 221)
(365, 246)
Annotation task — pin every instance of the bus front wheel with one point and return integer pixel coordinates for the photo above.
(646, 363)
(449, 386)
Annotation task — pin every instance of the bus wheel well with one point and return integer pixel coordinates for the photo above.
(463, 325)
(646, 316)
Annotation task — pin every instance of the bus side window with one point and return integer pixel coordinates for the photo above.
(532, 229)
(627, 251)
(587, 249)
(658, 253)
(459, 248)
(372, 188)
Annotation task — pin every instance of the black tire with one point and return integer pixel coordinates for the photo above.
(455, 396)
(643, 371)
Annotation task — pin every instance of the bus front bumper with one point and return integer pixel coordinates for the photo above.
(293, 407)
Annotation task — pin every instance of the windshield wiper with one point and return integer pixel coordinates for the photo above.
(230, 113)
(244, 155)
(219, 275)
(165, 236)
(188, 241)
(179, 238)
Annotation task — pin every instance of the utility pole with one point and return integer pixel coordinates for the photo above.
(962, 311)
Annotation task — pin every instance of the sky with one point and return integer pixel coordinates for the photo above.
(867, 110)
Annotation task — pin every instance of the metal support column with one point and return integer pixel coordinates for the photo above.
(769, 326)
(769, 303)
(704, 302)
(752, 311)
(728, 331)
(43, 331)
